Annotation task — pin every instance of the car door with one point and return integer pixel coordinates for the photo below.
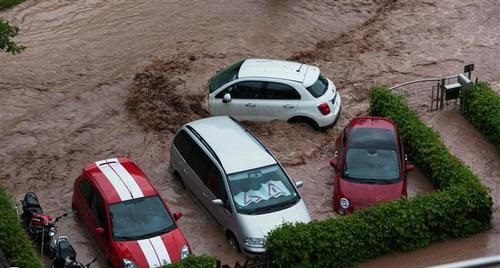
(199, 167)
(82, 204)
(244, 102)
(278, 101)
(99, 219)
(214, 188)
(181, 152)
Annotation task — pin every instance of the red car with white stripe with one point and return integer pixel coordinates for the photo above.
(126, 216)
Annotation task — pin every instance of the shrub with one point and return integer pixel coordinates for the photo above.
(481, 106)
(461, 206)
(14, 242)
(7, 32)
(4, 4)
(192, 261)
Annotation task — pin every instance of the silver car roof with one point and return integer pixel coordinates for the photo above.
(236, 149)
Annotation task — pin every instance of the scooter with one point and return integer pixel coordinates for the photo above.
(41, 227)
(65, 255)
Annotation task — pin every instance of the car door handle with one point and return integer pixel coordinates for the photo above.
(288, 106)
(250, 104)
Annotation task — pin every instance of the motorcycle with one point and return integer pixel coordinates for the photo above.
(65, 255)
(41, 227)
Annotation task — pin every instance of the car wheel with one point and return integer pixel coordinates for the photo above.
(179, 179)
(307, 120)
(233, 241)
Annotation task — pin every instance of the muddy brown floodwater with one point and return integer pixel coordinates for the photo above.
(63, 100)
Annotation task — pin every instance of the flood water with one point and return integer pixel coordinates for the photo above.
(62, 101)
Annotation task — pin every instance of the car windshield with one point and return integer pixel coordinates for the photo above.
(140, 218)
(319, 87)
(262, 190)
(372, 156)
(225, 76)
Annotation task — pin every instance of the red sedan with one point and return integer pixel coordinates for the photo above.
(370, 164)
(126, 216)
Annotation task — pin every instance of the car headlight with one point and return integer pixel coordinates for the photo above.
(255, 242)
(184, 252)
(126, 263)
(52, 231)
(344, 203)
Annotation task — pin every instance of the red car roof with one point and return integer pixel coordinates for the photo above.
(372, 122)
(119, 179)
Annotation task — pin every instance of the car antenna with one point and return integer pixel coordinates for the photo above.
(298, 70)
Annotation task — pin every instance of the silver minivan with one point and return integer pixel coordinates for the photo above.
(237, 180)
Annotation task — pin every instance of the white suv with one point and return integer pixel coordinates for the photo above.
(265, 90)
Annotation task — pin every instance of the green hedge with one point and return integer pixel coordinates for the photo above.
(481, 106)
(192, 261)
(459, 207)
(14, 242)
(4, 4)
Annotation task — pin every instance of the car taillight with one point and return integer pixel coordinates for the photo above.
(324, 108)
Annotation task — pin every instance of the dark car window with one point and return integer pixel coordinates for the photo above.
(225, 76)
(243, 90)
(215, 184)
(86, 190)
(278, 91)
(372, 155)
(140, 218)
(319, 87)
(184, 144)
(97, 207)
(200, 163)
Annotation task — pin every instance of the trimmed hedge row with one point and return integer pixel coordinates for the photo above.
(192, 261)
(14, 242)
(481, 106)
(459, 207)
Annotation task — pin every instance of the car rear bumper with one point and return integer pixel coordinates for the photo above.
(330, 120)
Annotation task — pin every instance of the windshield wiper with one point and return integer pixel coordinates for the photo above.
(279, 205)
(152, 234)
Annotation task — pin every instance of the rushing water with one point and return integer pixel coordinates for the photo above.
(62, 100)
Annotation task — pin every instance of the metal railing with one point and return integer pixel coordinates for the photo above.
(472, 263)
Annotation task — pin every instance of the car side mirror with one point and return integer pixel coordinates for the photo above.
(226, 98)
(99, 230)
(299, 184)
(177, 215)
(333, 163)
(218, 202)
(409, 167)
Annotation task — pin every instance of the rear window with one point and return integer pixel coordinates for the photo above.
(319, 87)
(225, 76)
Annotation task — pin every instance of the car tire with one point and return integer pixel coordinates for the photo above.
(233, 241)
(307, 120)
(178, 178)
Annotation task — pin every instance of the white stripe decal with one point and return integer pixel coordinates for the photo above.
(161, 250)
(149, 253)
(127, 179)
(117, 183)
